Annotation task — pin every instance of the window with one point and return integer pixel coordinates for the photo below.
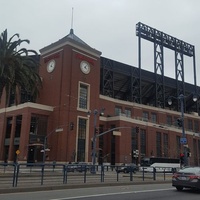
(81, 140)
(153, 117)
(8, 127)
(178, 146)
(118, 111)
(83, 96)
(169, 120)
(190, 124)
(127, 112)
(18, 126)
(113, 146)
(196, 126)
(12, 98)
(145, 116)
(176, 121)
(26, 96)
(38, 128)
(143, 142)
(198, 150)
(195, 152)
(101, 155)
(158, 144)
(134, 139)
(165, 144)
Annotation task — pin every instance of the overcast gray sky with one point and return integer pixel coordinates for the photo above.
(108, 26)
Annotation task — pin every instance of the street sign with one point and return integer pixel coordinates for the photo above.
(183, 140)
(117, 133)
(17, 152)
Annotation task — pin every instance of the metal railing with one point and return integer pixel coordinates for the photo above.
(36, 174)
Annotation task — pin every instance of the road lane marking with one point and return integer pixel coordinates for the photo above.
(109, 194)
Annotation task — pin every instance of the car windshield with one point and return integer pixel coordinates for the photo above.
(195, 170)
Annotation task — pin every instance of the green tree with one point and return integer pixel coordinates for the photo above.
(18, 68)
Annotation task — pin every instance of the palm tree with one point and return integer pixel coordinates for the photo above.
(18, 69)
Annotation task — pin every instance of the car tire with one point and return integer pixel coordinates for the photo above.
(179, 188)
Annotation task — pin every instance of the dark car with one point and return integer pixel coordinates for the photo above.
(188, 177)
(126, 168)
(81, 167)
(71, 168)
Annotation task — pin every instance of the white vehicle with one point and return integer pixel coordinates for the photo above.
(166, 167)
(159, 164)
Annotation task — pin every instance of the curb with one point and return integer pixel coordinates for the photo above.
(85, 185)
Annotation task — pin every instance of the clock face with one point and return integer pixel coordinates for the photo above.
(51, 66)
(85, 67)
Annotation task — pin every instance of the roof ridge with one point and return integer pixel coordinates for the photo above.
(75, 38)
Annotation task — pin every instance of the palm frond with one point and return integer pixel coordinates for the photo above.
(18, 69)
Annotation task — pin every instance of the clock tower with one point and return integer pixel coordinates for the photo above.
(70, 71)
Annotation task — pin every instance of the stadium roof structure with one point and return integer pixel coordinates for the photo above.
(134, 84)
(122, 81)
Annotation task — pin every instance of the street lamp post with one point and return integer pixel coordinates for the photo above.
(93, 170)
(96, 135)
(181, 97)
(94, 143)
(183, 139)
(45, 141)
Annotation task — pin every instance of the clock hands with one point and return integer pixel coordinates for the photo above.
(51, 66)
(85, 67)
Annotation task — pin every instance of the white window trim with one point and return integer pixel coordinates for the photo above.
(88, 99)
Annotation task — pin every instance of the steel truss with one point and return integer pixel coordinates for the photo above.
(180, 47)
(125, 82)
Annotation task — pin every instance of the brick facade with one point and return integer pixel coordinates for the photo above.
(58, 104)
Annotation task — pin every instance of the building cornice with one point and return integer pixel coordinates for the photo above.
(141, 122)
(142, 106)
(27, 105)
(51, 48)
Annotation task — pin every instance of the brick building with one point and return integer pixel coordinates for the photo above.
(83, 91)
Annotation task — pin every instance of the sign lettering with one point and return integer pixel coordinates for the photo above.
(82, 57)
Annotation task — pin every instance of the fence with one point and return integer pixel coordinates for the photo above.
(32, 174)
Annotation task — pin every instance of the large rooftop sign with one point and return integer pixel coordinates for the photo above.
(168, 41)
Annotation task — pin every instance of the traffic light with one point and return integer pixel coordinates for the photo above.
(92, 145)
(135, 153)
(188, 152)
(180, 122)
(182, 158)
(96, 131)
(137, 129)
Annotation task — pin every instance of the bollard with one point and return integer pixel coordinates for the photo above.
(131, 175)
(85, 171)
(164, 174)
(54, 165)
(143, 173)
(14, 184)
(154, 173)
(117, 173)
(17, 175)
(42, 177)
(102, 173)
(64, 174)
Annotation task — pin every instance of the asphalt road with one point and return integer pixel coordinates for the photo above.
(137, 192)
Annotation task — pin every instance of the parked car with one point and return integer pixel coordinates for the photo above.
(188, 177)
(71, 167)
(125, 168)
(82, 166)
